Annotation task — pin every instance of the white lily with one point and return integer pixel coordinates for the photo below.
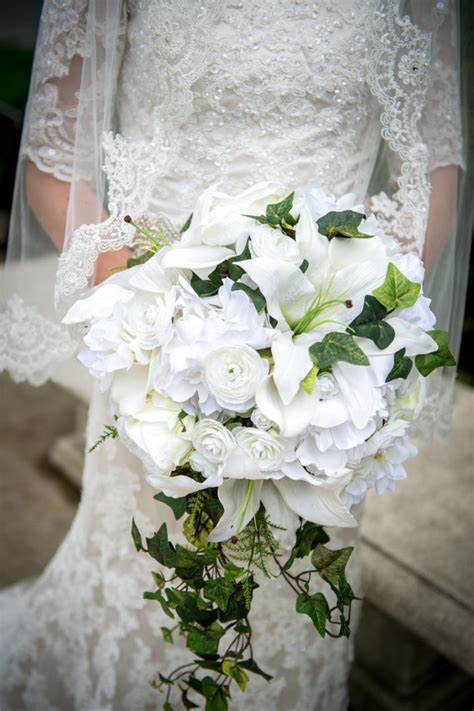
(318, 502)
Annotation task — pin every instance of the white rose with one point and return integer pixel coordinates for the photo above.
(272, 243)
(266, 450)
(149, 318)
(327, 386)
(212, 440)
(262, 422)
(233, 374)
(219, 219)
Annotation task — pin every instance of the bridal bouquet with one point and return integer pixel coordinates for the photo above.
(266, 368)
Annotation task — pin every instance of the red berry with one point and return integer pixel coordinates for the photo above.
(127, 218)
(234, 539)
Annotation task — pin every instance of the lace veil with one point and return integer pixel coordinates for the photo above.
(72, 137)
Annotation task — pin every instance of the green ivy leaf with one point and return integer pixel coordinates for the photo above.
(330, 564)
(235, 672)
(159, 597)
(167, 635)
(308, 537)
(136, 535)
(316, 607)
(178, 506)
(205, 641)
(215, 695)
(255, 295)
(279, 210)
(330, 223)
(278, 214)
(397, 291)
(232, 571)
(219, 591)
(192, 608)
(438, 359)
(234, 272)
(370, 324)
(186, 701)
(161, 549)
(159, 579)
(337, 346)
(252, 666)
(203, 287)
(402, 366)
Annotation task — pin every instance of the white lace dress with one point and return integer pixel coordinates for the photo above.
(237, 91)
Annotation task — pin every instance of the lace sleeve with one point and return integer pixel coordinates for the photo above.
(440, 124)
(50, 123)
(70, 105)
(417, 188)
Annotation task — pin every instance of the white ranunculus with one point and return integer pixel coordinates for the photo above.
(264, 448)
(213, 441)
(233, 374)
(262, 422)
(269, 242)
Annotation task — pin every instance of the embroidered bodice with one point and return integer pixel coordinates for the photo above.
(246, 91)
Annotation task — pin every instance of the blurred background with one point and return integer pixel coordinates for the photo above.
(415, 651)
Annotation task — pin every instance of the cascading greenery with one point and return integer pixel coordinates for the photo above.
(206, 590)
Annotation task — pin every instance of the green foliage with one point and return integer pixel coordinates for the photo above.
(208, 596)
(278, 215)
(342, 224)
(309, 381)
(402, 366)
(308, 537)
(370, 324)
(110, 432)
(330, 564)
(187, 224)
(140, 259)
(219, 591)
(235, 672)
(178, 506)
(440, 358)
(167, 635)
(316, 607)
(334, 347)
(228, 268)
(255, 295)
(397, 291)
(137, 539)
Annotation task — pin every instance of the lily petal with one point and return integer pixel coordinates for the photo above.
(99, 304)
(280, 515)
(317, 503)
(241, 501)
(292, 363)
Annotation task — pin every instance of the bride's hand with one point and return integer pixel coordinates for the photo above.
(108, 261)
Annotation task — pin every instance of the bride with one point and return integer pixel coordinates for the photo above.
(136, 108)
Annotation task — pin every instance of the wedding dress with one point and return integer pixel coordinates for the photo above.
(237, 91)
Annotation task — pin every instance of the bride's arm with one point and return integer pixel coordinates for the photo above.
(442, 213)
(48, 197)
